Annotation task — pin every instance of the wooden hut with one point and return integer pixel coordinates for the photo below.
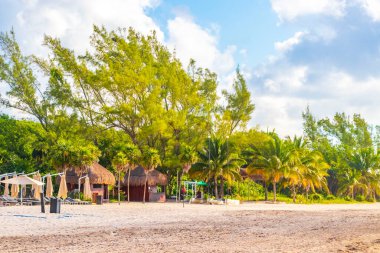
(156, 180)
(99, 177)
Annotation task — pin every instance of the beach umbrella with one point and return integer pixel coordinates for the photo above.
(6, 188)
(21, 180)
(49, 187)
(23, 190)
(37, 188)
(62, 192)
(14, 191)
(87, 189)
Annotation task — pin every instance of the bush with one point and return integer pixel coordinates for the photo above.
(247, 190)
(370, 199)
(300, 199)
(360, 198)
(330, 197)
(347, 198)
(316, 197)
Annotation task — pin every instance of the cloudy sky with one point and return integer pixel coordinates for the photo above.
(294, 53)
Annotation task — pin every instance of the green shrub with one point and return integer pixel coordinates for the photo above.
(316, 197)
(370, 199)
(330, 197)
(300, 199)
(247, 189)
(359, 198)
(347, 198)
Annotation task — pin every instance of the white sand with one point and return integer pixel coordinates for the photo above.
(168, 227)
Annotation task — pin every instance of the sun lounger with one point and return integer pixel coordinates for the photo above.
(9, 200)
(215, 202)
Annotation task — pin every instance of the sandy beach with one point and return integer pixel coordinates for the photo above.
(168, 227)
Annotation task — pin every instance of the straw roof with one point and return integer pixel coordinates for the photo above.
(243, 173)
(97, 174)
(138, 177)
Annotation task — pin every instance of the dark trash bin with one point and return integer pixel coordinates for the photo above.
(55, 205)
(99, 200)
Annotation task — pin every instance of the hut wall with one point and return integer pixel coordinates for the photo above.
(137, 193)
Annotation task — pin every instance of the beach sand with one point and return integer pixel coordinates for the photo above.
(168, 227)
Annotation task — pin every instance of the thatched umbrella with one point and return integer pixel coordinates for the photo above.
(37, 188)
(6, 188)
(62, 192)
(138, 178)
(49, 186)
(87, 189)
(14, 190)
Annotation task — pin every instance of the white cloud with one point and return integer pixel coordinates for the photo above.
(190, 40)
(372, 8)
(292, 9)
(72, 21)
(288, 44)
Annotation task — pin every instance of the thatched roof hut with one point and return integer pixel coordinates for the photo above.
(97, 174)
(244, 175)
(138, 178)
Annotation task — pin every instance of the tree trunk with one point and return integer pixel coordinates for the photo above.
(129, 176)
(294, 193)
(216, 187)
(146, 180)
(180, 175)
(374, 196)
(274, 192)
(266, 190)
(221, 189)
(118, 190)
(307, 193)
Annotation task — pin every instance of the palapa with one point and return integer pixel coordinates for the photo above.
(97, 175)
(138, 178)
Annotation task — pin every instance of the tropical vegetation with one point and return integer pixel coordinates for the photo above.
(129, 101)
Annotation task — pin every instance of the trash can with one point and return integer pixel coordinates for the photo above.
(99, 200)
(55, 205)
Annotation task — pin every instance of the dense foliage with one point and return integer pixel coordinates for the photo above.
(129, 101)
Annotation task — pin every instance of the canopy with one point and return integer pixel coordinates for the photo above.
(202, 183)
(21, 180)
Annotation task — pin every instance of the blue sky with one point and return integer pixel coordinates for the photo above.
(294, 53)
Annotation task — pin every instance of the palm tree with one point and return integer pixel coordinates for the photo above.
(150, 160)
(360, 174)
(120, 162)
(272, 160)
(215, 161)
(314, 171)
(373, 179)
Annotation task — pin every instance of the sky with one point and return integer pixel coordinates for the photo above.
(324, 54)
